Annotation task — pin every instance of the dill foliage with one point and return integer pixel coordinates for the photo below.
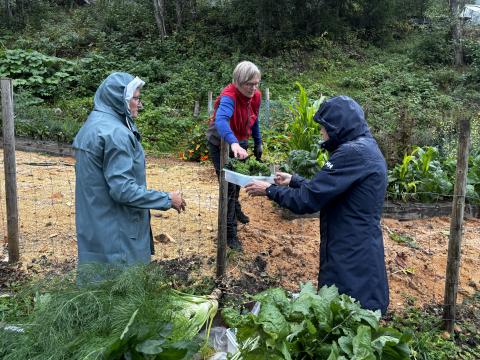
(103, 313)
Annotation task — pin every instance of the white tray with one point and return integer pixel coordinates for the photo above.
(242, 180)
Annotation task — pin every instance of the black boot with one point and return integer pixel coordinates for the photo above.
(232, 240)
(241, 217)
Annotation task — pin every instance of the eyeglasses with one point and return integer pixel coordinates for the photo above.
(136, 98)
(252, 84)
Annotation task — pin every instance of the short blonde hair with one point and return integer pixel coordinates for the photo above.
(244, 72)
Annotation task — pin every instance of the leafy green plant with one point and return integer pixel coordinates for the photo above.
(403, 239)
(115, 314)
(420, 176)
(197, 144)
(303, 130)
(42, 75)
(249, 166)
(314, 325)
(473, 178)
(162, 128)
(428, 342)
(34, 119)
(306, 163)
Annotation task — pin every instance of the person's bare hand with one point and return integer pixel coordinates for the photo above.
(238, 151)
(178, 203)
(257, 188)
(282, 178)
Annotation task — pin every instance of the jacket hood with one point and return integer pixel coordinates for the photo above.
(111, 95)
(343, 119)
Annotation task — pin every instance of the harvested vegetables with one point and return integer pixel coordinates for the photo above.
(250, 166)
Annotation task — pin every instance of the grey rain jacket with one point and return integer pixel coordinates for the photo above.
(349, 192)
(111, 199)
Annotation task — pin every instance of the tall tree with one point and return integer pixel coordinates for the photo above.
(159, 8)
(455, 9)
(8, 10)
(178, 12)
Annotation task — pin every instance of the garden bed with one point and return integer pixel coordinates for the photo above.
(276, 250)
(42, 146)
(405, 211)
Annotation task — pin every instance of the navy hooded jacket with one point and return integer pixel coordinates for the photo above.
(349, 192)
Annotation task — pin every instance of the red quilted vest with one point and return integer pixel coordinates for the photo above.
(245, 111)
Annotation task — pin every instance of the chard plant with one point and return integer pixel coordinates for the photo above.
(314, 325)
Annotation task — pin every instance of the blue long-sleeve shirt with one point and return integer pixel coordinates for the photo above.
(222, 122)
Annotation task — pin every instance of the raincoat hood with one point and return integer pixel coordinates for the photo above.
(343, 119)
(114, 94)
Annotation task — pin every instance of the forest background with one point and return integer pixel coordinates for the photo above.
(403, 61)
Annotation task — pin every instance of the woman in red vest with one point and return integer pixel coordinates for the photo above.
(235, 119)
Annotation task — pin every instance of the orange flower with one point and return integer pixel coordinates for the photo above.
(204, 158)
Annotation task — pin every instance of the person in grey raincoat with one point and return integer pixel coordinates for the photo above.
(112, 201)
(349, 192)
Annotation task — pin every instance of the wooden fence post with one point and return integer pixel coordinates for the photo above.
(222, 213)
(456, 226)
(210, 104)
(267, 108)
(196, 109)
(10, 169)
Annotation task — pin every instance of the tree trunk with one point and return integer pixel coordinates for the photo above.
(457, 30)
(8, 11)
(159, 6)
(193, 8)
(178, 11)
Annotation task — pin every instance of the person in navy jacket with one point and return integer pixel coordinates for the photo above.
(349, 192)
(236, 119)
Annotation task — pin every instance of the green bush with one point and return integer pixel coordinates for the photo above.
(433, 48)
(196, 148)
(162, 129)
(40, 74)
(472, 56)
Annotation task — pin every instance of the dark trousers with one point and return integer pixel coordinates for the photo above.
(233, 190)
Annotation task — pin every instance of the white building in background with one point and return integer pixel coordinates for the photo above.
(471, 13)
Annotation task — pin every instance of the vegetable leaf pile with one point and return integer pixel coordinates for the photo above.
(249, 166)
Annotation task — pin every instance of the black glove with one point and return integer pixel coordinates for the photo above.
(257, 151)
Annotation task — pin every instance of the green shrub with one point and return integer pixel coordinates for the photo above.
(40, 74)
(162, 129)
(472, 57)
(196, 148)
(433, 48)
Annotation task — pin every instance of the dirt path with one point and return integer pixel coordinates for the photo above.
(276, 250)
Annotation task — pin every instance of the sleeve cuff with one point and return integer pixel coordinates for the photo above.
(271, 190)
(231, 139)
(294, 181)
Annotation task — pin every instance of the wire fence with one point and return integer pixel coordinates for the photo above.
(279, 248)
(416, 250)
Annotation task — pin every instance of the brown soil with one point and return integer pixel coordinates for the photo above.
(276, 250)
